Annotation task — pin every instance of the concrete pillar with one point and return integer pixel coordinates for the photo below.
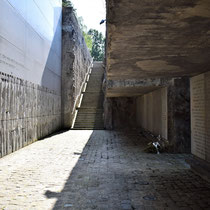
(179, 115)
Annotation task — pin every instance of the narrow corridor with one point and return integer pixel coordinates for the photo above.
(98, 170)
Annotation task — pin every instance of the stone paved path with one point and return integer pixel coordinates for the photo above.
(98, 170)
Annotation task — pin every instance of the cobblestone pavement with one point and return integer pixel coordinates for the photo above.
(98, 170)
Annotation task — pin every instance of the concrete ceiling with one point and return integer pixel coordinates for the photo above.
(157, 38)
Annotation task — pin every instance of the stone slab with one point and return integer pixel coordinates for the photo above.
(152, 112)
(200, 115)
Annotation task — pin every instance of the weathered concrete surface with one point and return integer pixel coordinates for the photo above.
(108, 113)
(76, 63)
(98, 170)
(157, 38)
(30, 71)
(152, 112)
(134, 87)
(120, 113)
(27, 112)
(179, 133)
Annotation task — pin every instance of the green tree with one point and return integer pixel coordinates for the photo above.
(98, 45)
(67, 3)
(87, 37)
(88, 40)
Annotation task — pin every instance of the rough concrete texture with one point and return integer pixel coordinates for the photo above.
(120, 113)
(100, 170)
(134, 87)
(159, 38)
(76, 63)
(200, 115)
(179, 133)
(108, 113)
(27, 112)
(152, 113)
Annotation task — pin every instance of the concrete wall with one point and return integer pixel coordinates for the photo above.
(200, 116)
(76, 62)
(152, 113)
(30, 71)
(27, 112)
(30, 41)
(166, 112)
(179, 115)
(120, 113)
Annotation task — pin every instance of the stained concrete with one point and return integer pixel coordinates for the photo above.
(157, 38)
(76, 64)
(30, 71)
(134, 87)
(98, 170)
(179, 133)
(120, 113)
(28, 112)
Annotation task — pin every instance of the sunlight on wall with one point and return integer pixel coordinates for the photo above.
(30, 46)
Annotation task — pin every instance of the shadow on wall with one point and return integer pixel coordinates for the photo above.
(49, 98)
(51, 77)
(34, 109)
(120, 113)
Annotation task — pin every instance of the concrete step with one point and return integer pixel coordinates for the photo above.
(91, 110)
(89, 118)
(88, 125)
(88, 128)
(84, 123)
(90, 113)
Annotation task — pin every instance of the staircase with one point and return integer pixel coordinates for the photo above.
(90, 113)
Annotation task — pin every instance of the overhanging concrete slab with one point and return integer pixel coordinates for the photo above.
(134, 87)
(157, 38)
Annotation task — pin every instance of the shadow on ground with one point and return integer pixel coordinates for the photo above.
(113, 172)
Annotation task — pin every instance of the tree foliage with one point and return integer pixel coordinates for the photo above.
(87, 37)
(93, 38)
(67, 3)
(88, 40)
(98, 45)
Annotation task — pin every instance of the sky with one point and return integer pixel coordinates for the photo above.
(92, 11)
